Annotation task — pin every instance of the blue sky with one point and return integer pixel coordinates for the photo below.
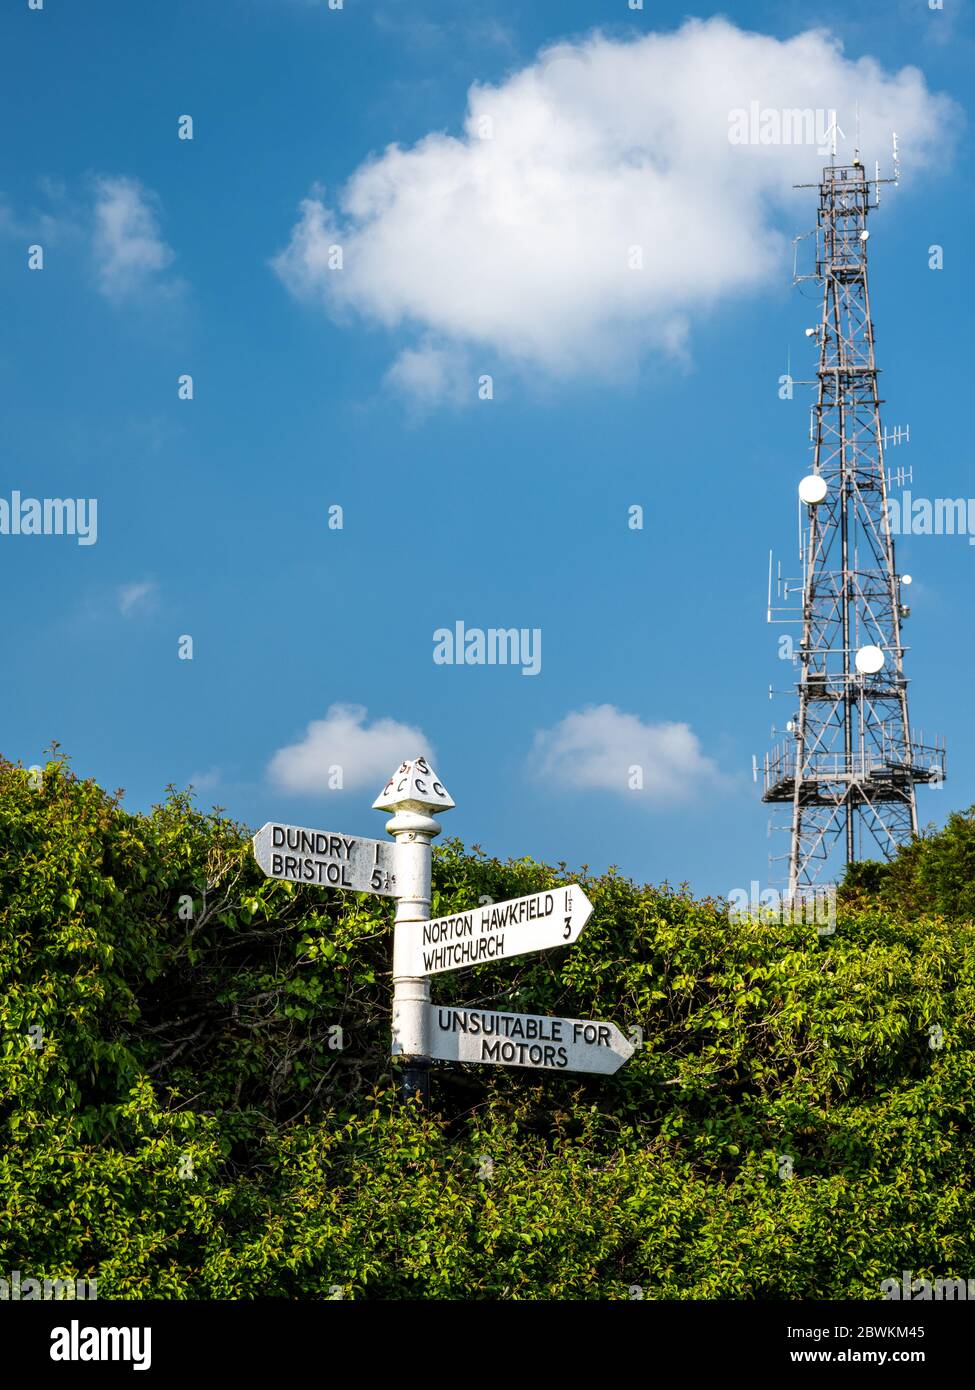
(165, 256)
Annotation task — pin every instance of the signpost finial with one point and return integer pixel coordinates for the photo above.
(414, 786)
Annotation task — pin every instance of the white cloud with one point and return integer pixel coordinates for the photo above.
(56, 224)
(64, 218)
(367, 755)
(597, 748)
(449, 36)
(205, 781)
(137, 598)
(114, 218)
(431, 373)
(518, 244)
(128, 248)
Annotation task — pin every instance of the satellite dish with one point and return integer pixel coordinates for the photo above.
(811, 332)
(906, 579)
(812, 489)
(869, 660)
(864, 235)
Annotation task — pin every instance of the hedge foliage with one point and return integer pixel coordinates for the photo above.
(196, 1098)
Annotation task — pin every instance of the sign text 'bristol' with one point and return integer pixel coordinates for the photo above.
(327, 858)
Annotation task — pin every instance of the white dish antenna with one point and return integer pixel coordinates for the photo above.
(869, 660)
(813, 490)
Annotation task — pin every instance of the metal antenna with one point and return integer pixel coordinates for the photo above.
(834, 130)
(847, 773)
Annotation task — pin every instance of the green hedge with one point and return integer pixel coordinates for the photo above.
(195, 1088)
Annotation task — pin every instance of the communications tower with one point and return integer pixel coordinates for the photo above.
(848, 768)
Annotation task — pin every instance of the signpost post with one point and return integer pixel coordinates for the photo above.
(411, 794)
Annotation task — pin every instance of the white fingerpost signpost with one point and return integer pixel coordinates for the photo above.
(423, 947)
